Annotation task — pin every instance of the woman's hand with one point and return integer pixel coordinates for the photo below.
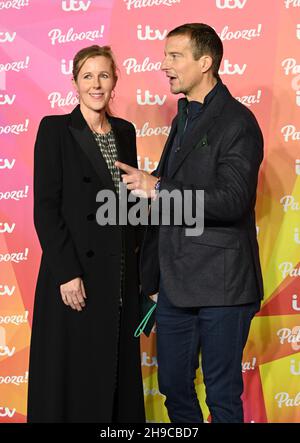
(73, 294)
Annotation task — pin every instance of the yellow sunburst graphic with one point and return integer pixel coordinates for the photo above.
(14, 349)
(281, 387)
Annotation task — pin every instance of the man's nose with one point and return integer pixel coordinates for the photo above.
(164, 64)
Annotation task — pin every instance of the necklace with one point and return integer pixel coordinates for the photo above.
(104, 129)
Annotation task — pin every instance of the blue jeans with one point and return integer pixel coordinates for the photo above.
(221, 334)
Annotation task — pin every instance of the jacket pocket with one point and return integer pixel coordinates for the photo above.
(229, 247)
(217, 239)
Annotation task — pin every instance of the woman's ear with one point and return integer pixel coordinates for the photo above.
(74, 84)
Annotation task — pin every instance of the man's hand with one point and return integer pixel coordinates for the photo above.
(73, 294)
(139, 182)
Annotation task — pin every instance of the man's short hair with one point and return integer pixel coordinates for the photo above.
(204, 41)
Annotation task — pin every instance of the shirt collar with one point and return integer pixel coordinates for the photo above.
(194, 107)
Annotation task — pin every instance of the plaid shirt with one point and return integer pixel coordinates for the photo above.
(108, 148)
(107, 145)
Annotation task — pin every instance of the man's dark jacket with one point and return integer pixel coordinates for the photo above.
(221, 155)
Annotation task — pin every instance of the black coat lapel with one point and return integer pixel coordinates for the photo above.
(84, 137)
(122, 142)
(191, 140)
(206, 121)
(168, 144)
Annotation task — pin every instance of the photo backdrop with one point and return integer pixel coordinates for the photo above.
(261, 67)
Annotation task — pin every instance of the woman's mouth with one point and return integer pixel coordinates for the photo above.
(97, 95)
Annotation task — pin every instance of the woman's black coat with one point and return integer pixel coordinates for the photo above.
(74, 357)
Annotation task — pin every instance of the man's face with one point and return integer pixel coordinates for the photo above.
(184, 72)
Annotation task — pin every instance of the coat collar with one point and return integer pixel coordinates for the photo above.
(85, 139)
(207, 120)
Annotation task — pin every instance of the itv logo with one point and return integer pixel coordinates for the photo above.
(230, 4)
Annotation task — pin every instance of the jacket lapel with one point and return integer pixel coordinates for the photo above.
(191, 141)
(168, 145)
(199, 131)
(84, 137)
(121, 141)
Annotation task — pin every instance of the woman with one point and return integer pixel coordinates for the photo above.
(84, 360)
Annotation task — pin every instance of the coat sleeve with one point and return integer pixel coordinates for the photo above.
(234, 190)
(54, 236)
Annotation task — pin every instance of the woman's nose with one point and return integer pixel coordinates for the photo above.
(97, 83)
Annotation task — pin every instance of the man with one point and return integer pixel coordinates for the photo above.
(209, 285)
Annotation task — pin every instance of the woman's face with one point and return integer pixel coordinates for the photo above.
(95, 83)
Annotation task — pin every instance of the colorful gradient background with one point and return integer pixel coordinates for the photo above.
(266, 34)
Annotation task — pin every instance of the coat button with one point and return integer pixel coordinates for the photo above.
(178, 149)
(90, 253)
(90, 217)
(87, 179)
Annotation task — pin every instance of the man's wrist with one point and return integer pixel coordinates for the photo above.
(156, 188)
(157, 185)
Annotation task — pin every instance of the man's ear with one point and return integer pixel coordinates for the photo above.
(115, 83)
(205, 63)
